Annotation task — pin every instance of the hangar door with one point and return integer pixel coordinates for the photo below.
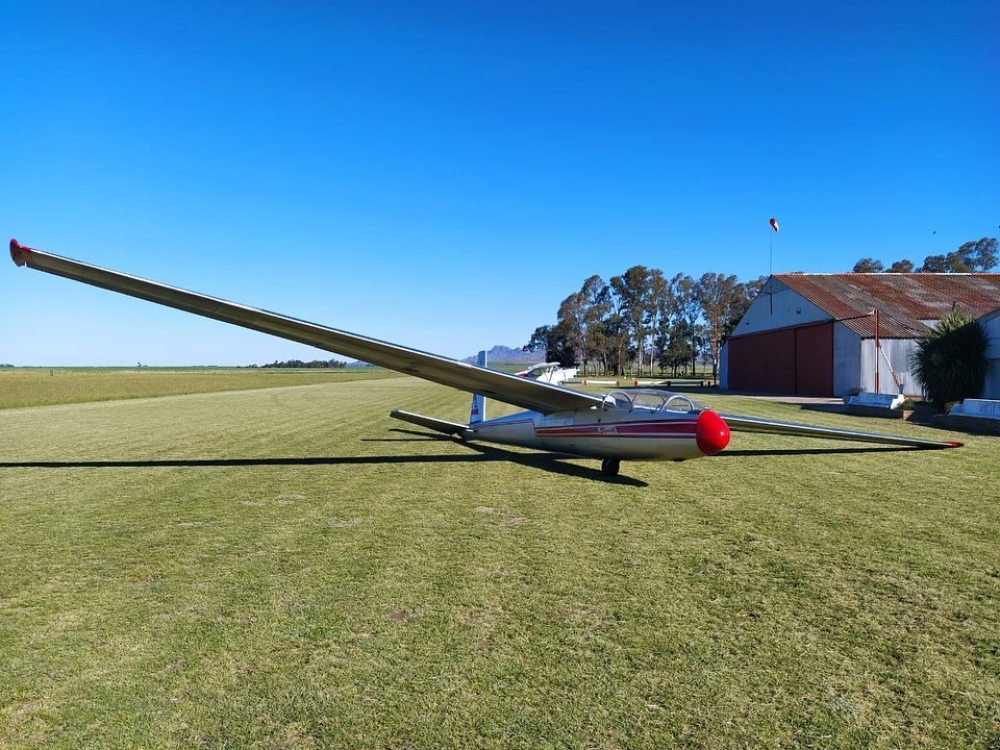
(789, 360)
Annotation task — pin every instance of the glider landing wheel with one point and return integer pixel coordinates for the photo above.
(610, 467)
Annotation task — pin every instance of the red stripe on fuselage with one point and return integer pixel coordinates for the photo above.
(640, 429)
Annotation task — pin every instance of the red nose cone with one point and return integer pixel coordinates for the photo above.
(712, 433)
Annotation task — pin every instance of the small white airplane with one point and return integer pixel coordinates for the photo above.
(640, 424)
(548, 372)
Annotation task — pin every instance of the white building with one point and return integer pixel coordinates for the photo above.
(815, 334)
(991, 323)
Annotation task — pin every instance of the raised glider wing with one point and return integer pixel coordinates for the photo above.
(644, 424)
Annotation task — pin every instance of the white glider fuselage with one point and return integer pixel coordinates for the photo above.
(609, 433)
(641, 424)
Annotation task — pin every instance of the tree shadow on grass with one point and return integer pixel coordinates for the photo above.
(551, 462)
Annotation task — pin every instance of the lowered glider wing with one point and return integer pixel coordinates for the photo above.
(771, 427)
(506, 387)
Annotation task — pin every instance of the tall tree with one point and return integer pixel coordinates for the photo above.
(685, 313)
(719, 295)
(640, 316)
(617, 338)
(678, 351)
(934, 264)
(571, 320)
(551, 340)
(901, 266)
(597, 305)
(659, 312)
(971, 257)
(975, 255)
(634, 291)
(867, 265)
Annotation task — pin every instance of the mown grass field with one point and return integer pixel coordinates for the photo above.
(290, 568)
(61, 385)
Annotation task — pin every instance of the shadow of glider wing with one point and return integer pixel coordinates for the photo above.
(792, 429)
(527, 394)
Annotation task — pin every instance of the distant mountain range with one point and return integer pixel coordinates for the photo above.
(499, 354)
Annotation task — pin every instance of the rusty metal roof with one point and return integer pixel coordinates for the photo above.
(903, 300)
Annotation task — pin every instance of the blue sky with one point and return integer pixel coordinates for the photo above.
(443, 174)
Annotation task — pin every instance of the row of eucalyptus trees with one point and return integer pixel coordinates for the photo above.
(641, 322)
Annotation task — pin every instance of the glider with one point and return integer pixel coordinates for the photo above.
(548, 372)
(634, 424)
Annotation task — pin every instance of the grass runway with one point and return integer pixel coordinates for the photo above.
(290, 568)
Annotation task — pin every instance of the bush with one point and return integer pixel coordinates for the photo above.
(951, 360)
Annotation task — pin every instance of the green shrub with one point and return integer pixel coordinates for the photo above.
(951, 360)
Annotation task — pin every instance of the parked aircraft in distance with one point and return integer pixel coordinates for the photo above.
(642, 424)
(548, 372)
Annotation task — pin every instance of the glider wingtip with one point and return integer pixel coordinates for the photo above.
(18, 252)
(945, 445)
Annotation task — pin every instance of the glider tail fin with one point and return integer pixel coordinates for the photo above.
(478, 411)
